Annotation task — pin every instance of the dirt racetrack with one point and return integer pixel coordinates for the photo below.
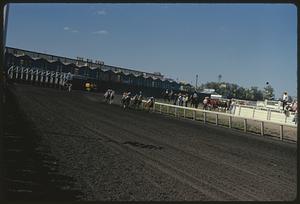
(72, 146)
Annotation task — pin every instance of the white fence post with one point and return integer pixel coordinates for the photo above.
(240, 110)
(26, 76)
(37, 75)
(32, 73)
(245, 125)
(253, 112)
(42, 76)
(17, 72)
(245, 119)
(22, 70)
(281, 132)
(262, 128)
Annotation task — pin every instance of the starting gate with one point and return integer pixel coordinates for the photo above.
(38, 75)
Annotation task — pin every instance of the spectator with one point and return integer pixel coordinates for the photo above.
(228, 104)
(186, 100)
(232, 107)
(180, 99)
(284, 100)
(175, 98)
(195, 99)
(205, 103)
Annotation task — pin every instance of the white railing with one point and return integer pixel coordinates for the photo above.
(38, 75)
(157, 107)
(263, 113)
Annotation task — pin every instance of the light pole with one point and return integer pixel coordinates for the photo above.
(196, 81)
(99, 70)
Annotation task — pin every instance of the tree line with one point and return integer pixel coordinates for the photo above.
(229, 90)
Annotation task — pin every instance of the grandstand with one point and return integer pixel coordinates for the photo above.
(103, 75)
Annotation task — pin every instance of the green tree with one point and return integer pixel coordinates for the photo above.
(268, 92)
(256, 93)
(241, 93)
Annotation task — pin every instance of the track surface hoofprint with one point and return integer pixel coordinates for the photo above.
(116, 154)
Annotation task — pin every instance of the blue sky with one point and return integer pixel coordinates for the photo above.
(248, 44)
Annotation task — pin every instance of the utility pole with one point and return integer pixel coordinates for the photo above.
(196, 81)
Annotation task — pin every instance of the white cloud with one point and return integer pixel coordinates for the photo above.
(101, 12)
(66, 28)
(100, 32)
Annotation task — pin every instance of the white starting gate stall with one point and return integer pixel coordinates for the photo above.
(36, 75)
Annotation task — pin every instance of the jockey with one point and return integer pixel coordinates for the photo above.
(150, 101)
(205, 103)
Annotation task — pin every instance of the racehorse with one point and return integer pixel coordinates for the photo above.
(287, 110)
(167, 96)
(136, 101)
(194, 100)
(109, 96)
(125, 100)
(216, 104)
(149, 104)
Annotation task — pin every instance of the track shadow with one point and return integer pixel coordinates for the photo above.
(30, 172)
(141, 145)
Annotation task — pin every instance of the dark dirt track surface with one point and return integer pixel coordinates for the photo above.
(84, 149)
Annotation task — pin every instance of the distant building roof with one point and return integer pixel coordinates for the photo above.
(79, 62)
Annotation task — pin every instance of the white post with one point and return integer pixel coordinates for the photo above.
(22, 70)
(42, 76)
(51, 77)
(47, 76)
(204, 117)
(56, 78)
(253, 112)
(17, 70)
(32, 73)
(11, 74)
(262, 128)
(281, 132)
(217, 119)
(37, 75)
(245, 125)
(27, 70)
(184, 113)
(230, 122)
(240, 110)
(268, 114)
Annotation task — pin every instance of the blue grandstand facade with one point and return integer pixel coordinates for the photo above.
(102, 75)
